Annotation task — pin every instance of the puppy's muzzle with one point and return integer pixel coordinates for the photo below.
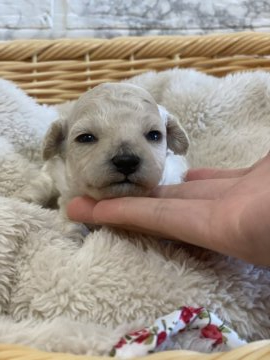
(126, 164)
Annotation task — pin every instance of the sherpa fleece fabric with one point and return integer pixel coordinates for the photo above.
(62, 291)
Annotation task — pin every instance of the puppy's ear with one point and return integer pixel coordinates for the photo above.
(177, 138)
(53, 140)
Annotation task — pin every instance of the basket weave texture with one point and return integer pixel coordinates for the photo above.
(54, 71)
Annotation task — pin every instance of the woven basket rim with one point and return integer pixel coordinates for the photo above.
(57, 70)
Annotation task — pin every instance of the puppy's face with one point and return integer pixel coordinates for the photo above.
(115, 141)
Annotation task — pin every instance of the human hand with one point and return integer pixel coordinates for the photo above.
(222, 210)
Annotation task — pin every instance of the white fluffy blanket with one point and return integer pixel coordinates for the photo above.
(60, 292)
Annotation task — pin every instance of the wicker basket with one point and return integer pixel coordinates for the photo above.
(54, 71)
(57, 70)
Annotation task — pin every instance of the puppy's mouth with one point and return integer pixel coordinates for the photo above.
(120, 188)
(125, 181)
(125, 187)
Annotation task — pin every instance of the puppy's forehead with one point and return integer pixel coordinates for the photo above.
(110, 96)
(117, 91)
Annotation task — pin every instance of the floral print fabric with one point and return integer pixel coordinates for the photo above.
(155, 338)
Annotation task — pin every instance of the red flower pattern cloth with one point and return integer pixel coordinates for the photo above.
(212, 332)
(153, 338)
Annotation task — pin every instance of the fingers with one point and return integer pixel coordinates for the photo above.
(173, 218)
(208, 173)
(80, 209)
(197, 189)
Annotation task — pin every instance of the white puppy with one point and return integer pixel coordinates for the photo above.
(115, 142)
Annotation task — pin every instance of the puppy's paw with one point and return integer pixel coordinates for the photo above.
(74, 231)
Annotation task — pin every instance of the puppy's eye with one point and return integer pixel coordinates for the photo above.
(86, 138)
(154, 135)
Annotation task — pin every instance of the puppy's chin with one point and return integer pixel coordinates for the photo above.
(118, 190)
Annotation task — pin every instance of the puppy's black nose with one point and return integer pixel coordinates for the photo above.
(126, 164)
